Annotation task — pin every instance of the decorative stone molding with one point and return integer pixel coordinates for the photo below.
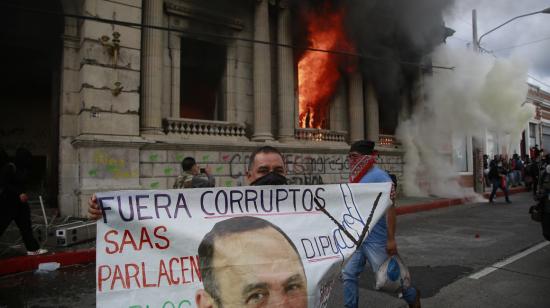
(202, 14)
(203, 128)
(314, 134)
(86, 140)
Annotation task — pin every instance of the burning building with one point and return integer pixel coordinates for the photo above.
(116, 105)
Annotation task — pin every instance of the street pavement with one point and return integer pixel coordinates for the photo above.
(442, 248)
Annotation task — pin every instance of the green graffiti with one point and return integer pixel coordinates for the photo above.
(111, 168)
(219, 169)
(170, 304)
(205, 158)
(155, 185)
(228, 183)
(167, 171)
(179, 157)
(153, 157)
(92, 172)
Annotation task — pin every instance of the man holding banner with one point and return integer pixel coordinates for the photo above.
(150, 252)
(380, 242)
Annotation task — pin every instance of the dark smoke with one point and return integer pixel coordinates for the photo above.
(397, 31)
(389, 33)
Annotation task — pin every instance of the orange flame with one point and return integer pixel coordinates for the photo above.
(319, 71)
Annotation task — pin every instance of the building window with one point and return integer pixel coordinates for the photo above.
(460, 153)
(202, 70)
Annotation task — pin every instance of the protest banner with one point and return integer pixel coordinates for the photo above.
(240, 246)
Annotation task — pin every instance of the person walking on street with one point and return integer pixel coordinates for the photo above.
(380, 243)
(14, 199)
(498, 178)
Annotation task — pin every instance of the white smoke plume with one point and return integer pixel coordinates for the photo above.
(481, 93)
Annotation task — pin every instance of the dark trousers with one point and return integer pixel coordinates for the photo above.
(496, 184)
(21, 214)
(546, 226)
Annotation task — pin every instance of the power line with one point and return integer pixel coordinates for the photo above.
(524, 44)
(541, 82)
(223, 37)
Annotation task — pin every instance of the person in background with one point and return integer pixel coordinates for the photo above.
(527, 175)
(486, 170)
(498, 177)
(193, 176)
(516, 169)
(14, 200)
(536, 152)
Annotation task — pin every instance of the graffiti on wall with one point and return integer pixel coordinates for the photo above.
(229, 168)
(105, 165)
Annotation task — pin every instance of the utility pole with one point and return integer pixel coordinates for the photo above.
(475, 47)
(477, 142)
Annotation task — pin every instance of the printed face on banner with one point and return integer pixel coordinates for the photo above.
(265, 163)
(256, 268)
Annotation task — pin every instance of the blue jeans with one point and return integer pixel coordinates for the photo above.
(375, 253)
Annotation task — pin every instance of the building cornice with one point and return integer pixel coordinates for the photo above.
(202, 14)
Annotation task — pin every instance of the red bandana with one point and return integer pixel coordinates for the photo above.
(359, 166)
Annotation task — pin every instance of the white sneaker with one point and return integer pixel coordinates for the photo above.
(37, 252)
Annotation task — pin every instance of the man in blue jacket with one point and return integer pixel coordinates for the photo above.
(380, 243)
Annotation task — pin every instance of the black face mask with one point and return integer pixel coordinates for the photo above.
(271, 178)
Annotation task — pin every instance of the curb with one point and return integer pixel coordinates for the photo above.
(443, 203)
(30, 263)
(85, 256)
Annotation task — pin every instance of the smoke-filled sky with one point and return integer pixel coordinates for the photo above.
(491, 13)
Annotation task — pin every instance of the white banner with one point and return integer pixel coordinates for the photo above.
(230, 247)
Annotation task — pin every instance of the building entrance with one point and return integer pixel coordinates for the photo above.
(31, 49)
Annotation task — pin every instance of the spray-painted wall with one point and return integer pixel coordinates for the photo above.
(159, 168)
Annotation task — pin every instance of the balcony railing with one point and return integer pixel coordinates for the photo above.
(315, 134)
(203, 128)
(388, 141)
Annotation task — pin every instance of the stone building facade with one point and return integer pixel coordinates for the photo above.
(129, 103)
(537, 131)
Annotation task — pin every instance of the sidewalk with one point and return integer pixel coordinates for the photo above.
(13, 260)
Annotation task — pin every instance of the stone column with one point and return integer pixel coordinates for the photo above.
(373, 115)
(151, 122)
(356, 107)
(338, 109)
(262, 74)
(175, 53)
(287, 84)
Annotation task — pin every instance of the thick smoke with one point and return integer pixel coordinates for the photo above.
(481, 93)
(394, 36)
(395, 32)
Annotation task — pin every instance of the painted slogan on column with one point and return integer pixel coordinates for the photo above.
(241, 247)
